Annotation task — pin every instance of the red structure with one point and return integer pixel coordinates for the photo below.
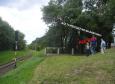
(84, 41)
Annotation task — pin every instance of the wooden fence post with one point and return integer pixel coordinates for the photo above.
(72, 51)
(58, 51)
(45, 51)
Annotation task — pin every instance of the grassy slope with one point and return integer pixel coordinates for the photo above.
(97, 69)
(24, 72)
(6, 56)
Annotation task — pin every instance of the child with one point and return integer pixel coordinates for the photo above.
(87, 49)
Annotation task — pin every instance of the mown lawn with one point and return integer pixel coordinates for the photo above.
(24, 71)
(66, 69)
(6, 56)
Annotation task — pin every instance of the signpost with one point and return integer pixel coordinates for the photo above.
(16, 46)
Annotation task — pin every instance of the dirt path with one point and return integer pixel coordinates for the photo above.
(11, 65)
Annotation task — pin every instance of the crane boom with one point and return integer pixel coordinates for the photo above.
(81, 29)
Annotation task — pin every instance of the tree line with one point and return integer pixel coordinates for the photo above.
(7, 37)
(94, 15)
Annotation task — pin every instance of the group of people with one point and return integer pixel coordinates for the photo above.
(92, 44)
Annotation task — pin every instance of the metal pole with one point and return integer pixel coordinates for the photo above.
(16, 48)
(36, 47)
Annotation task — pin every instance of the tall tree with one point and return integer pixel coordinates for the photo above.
(6, 36)
(103, 15)
(95, 15)
(21, 41)
(67, 11)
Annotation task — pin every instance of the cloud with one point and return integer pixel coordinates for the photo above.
(22, 4)
(28, 20)
(5, 2)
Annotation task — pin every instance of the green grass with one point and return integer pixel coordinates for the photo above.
(66, 69)
(6, 56)
(24, 71)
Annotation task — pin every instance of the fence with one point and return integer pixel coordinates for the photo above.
(58, 50)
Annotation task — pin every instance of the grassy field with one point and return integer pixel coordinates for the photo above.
(6, 56)
(24, 71)
(64, 69)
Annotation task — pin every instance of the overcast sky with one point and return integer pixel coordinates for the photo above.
(25, 16)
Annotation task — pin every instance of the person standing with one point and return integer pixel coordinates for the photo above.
(93, 44)
(103, 46)
(87, 49)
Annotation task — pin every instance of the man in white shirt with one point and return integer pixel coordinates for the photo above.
(103, 46)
